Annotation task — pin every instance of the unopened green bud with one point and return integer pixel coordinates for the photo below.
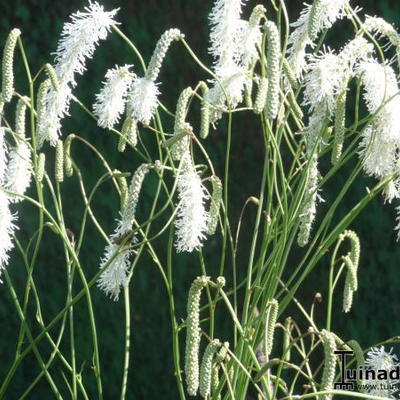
(261, 97)
(216, 200)
(67, 155)
(193, 334)
(7, 89)
(59, 164)
(206, 368)
(40, 167)
(273, 70)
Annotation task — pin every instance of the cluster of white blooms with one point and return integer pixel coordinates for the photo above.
(231, 85)
(380, 360)
(313, 19)
(143, 100)
(250, 36)
(310, 200)
(328, 74)
(323, 82)
(19, 170)
(79, 39)
(114, 276)
(325, 90)
(192, 218)
(116, 257)
(225, 25)
(15, 176)
(382, 28)
(381, 139)
(110, 102)
(7, 219)
(144, 93)
(234, 48)
(19, 167)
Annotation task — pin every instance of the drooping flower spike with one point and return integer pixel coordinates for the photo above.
(78, 42)
(19, 167)
(192, 219)
(115, 275)
(7, 88)
(144, 94)
(110, 101)
(313, 19)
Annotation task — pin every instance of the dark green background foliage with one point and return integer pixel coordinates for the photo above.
(374, 316)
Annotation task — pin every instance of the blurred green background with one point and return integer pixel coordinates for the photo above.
(376, 308)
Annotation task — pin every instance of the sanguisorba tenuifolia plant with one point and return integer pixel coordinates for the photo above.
(298, 90)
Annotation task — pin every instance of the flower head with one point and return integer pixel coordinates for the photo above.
(323, 80)
(379, 359)
(7, 228)
(3, 155)
(110, 102)
(79, 39)
(229, 92)
(381, 139)
(143, 100)
(250, 36)
(192, 218)
(115, 275)
(323, 18)
(225, 26)
(19, 170)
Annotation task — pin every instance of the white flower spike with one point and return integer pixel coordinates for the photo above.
(192, 218)
(79, 39)
(110, 102)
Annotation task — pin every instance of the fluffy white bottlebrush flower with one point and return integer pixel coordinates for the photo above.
(114, 277)
(323, 80)
(381, 139)
(143, 100)
(3, 155)
(78, 42)
(250, 36)
(7, 219)
(7, 229)
(110, 101)
(144, 93)
(356, 50)
(192, 219)
(79, 39)
(312, 20)
(19, 170)
(225, 28)
(309, 204)
(227, 41)
(380, 27)
(379, 359)
(227, 93)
